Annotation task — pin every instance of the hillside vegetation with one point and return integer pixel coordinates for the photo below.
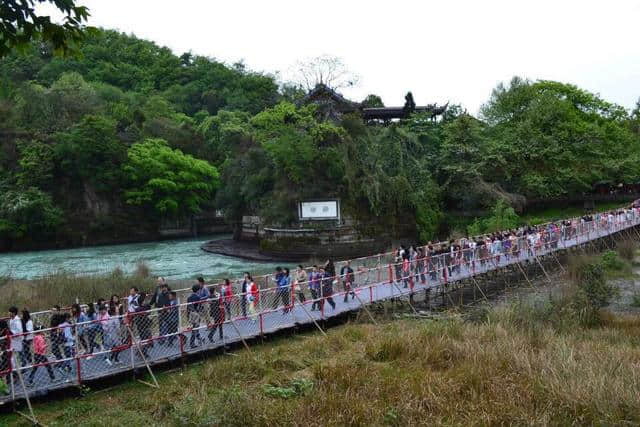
(105, 145)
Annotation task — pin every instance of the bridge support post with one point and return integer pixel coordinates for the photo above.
(365, 309)
(479, 288)
(410, 305)
(144, 358)
(525, 274)
(240, 334)
(31, 417)
(312, 319)
(558, 261)
(543, 270)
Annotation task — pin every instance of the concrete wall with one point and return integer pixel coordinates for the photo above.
(328, 242)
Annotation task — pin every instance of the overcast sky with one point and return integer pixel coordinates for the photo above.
(442, 51)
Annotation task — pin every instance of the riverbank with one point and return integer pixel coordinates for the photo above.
(249, 250)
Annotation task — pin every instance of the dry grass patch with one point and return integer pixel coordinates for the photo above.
(513, 368)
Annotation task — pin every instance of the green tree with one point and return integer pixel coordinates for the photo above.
(19, 24)
(173, 183)
(36, 165)
(461, 159)
(27, 213)
(90, 153)
(557, 139)
(372, 101)
(503, 217)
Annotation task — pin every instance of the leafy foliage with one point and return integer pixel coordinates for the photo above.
(19, 24)
(27, 213)
(170, 181)
(502, 217)
(550, 139)
(296, 387)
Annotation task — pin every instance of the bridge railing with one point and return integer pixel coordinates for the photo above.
(267, 282)
(76, 352)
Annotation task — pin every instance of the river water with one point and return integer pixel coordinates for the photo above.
(176, 259)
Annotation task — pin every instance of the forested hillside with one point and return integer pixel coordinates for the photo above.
(104, 145)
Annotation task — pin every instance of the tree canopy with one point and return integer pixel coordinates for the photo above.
(20, 24)
(168, 180)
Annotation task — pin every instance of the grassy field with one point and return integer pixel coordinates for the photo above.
(516, 364)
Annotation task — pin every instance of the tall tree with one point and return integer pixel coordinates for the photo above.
(172, 183)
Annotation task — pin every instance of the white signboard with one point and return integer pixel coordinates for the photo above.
(318, 210)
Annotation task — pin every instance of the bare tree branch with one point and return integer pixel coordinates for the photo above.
(324, 69)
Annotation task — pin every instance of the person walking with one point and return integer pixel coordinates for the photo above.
(40, 357)
(193, 313)
(68, 342)
(327, 289)
(255, 297)
(314, 287)
(112, 335)
(216, 312)
(300, 283)
(244, 292)
(162, 301)
(17, 339)
(277, 279)
(173, 317)
(79, 318)
(92, 329)
(346, 273)
(56, 337)
(27, 343)
(143, 324)
(284, 286)
(132, 300)
(161, 284)
(107, 337)
(227, 297)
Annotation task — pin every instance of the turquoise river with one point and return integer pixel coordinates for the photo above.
(175, 259)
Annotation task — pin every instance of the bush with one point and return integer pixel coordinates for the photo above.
(593, 294)
(297, 387)
(502, 217)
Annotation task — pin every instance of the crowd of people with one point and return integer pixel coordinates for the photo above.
(108, 327)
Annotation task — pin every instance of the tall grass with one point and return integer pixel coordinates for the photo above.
(64, 288)
(515, 367)
(627, 249)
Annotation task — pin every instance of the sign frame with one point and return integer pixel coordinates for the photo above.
(301, 217)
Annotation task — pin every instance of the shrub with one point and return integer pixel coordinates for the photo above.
(502, 217)
(296, 387)
(594, 293)
(610, 261)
